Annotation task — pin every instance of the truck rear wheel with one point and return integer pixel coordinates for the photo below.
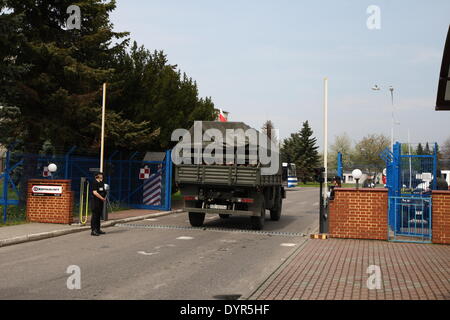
(196, 219)
(275, 213)
(258, 221)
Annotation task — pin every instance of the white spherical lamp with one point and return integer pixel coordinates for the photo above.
(357, 174)
(52, 167)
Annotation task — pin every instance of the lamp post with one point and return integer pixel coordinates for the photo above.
(391, 90)
(52, 168)
(357, 175)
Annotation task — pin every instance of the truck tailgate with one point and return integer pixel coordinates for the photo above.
(218, 175)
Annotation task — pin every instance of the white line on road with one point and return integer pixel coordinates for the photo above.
(159, 286)
(185, 238)
(153, 219)
(147, 253)
(288, 244)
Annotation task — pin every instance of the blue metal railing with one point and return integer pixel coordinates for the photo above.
(412, 219)
(121, 175)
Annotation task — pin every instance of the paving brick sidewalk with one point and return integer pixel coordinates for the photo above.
(336, 269)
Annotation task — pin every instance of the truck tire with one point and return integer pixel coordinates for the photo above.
(258, 221)
(275, 213)
(224, 216)
(196, 219)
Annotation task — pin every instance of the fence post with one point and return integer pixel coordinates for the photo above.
(168, 190)
(129, 175)
(120, 178)
(339, 165)
(110, 166)
(434, 187)
(5, 186)
(67, 158)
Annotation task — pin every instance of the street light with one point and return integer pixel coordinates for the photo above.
(52, 168)
(391, 90)
(357, 175)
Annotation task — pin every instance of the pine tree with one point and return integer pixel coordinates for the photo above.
(427, 150)
(58, 91)
(301, 149)
(419, 150)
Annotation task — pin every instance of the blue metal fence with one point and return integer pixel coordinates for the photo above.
(7, 183)
(122, 175)
(412, 219)
(410, 179)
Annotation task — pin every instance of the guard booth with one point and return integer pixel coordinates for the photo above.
(152, 187)
(410, 180)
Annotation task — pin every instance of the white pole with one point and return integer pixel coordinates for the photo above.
(325, 130)
(391, 89)
(410, 166)
(102, 148)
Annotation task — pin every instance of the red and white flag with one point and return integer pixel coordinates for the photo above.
(222, 117)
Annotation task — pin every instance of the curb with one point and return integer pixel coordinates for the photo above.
(57, 233)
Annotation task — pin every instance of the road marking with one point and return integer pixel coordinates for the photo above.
(160, 285)
(152, 219)
(288, 244)
(185, 238)
(147, 253)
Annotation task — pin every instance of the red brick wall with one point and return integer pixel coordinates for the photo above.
(441, 217)
(50, 209)
(359, 214)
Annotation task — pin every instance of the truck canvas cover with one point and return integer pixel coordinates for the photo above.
(229, 131)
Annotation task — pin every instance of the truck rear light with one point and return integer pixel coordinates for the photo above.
(245, 200)
(190, 198)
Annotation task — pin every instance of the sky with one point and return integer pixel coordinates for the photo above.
(267, 60)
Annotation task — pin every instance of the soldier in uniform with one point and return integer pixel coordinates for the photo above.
(99, 194)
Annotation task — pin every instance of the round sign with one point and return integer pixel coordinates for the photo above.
(52, 167)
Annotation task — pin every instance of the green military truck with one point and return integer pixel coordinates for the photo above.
(232, 188)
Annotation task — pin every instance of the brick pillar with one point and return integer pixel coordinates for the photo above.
(48, 208)
(441, 217)
(359, 214)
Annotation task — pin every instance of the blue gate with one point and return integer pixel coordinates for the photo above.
(127, 186)
(7, 183)
(410, 179)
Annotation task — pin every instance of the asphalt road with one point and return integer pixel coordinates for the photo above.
(161, 258)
